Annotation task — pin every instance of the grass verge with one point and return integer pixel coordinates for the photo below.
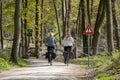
(6, 65)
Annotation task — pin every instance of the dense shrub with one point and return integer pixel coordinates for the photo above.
(4, 64)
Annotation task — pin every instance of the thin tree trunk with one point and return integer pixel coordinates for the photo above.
(17, 31)
(1, 35)
(88, 12)
(64, 29)
(36, 32)
(22, 38)
(110, 41)
(115, 22)
(25, 45)
(89, 17)
(98, 23)
(92, 2)
(59, 30)
(42, 2)
(68, 16)
(85, 46)
(78, 29)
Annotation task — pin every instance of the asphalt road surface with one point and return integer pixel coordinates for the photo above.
(41, 70)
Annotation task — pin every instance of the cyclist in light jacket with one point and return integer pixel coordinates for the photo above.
(68, 43)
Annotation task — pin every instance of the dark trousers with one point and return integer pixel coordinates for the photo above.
(66, 48)
(49, 47)
(53, 55)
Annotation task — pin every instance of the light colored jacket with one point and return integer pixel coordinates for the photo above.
(68, 42)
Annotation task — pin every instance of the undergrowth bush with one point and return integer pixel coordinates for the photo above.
(22, 63)
(5, 55)
(4, 64)
(109, 65)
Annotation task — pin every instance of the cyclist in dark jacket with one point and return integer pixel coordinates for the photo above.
(51, 44)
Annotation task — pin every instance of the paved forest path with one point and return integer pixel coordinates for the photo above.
(41, 70)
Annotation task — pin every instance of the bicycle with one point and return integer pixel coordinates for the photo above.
(50, 56)
(67, 55)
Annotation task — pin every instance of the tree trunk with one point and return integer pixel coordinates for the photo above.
(78, 28)
(88, 12)
(36, 32)
(25, 45)
(110, 41)
(116, 26)
(1, 35)
(59, 30)
(85, 46)
(42, 2)
(92, 2)
(89, 16)
(17, 31)
(98, 23)
(23, 39)
(68, 15)
(64, 29)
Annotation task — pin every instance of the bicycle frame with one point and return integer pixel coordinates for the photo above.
(67, 58)
(50, 56)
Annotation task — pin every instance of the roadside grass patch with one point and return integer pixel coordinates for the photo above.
(108, 66)
(22, 63)
(4, 65)
(104, 76)
(84, 61)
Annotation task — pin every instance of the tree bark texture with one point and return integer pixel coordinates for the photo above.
(85, 45)
(1, 31)
(36, 32)
(68, 16)
(42, 2)
(17, 31)
(64, 27)
(110, 41)
(115, 24)
(59, 29)
(98, 23)
(24, 40)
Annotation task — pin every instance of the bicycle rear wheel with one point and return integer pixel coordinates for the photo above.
(67, 59)
(50, 59)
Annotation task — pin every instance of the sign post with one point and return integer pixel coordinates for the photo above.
(89, 31)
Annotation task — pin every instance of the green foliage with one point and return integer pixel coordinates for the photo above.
(115, 61)
(104, 76)
(83, 61)
(29, 32)
(108, 66)
(8, 16)
(22, 63)
(4, 64)
(5, 55)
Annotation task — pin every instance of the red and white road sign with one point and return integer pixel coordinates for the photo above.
(88, 30)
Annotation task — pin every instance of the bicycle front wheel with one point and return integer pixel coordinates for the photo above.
(50, 59)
